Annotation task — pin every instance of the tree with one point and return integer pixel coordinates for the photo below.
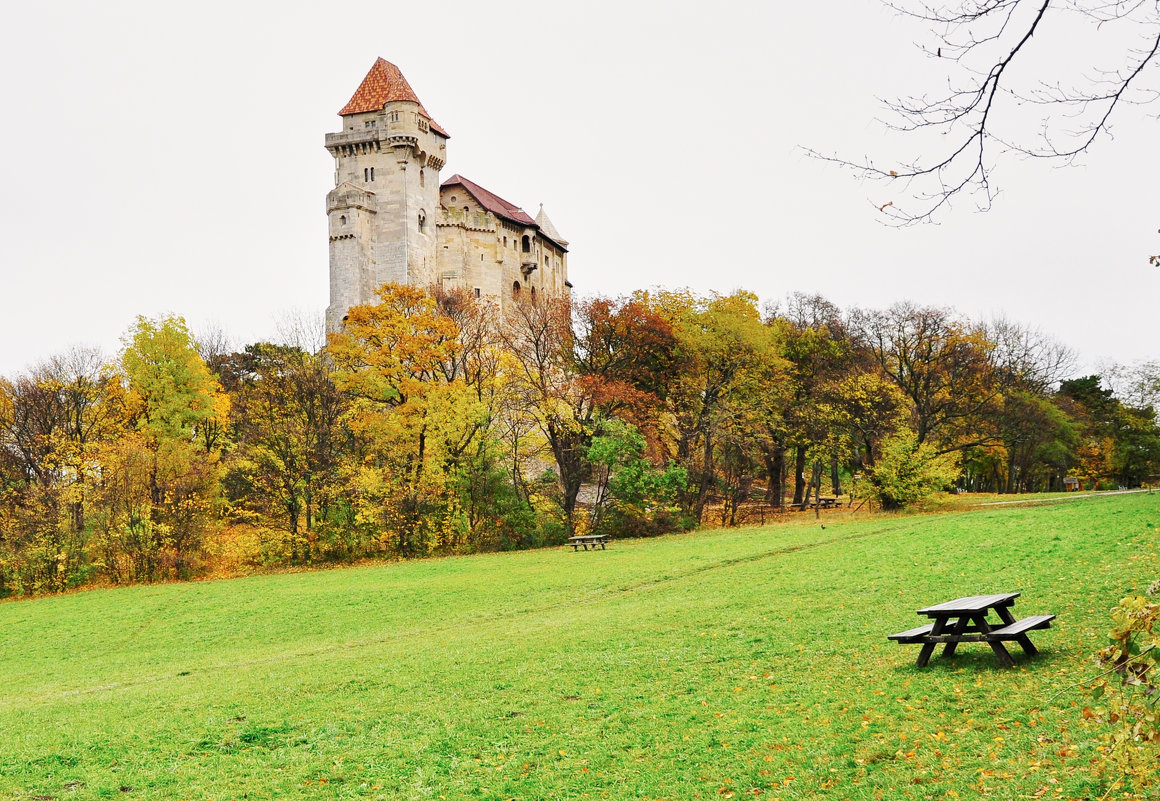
(943, 366)
(731, 379)
(180, 410)
(539, 339)
(814, 341)
(1117, 442)
(999, 99)
(172, 392)
(287, 413)
(413, 419)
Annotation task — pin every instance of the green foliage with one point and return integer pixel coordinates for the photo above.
(172, 392)
(909, 471)
(634, 497)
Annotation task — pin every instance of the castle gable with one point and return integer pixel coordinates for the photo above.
(488, 200)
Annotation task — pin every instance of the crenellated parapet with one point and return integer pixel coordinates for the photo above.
(349, 196)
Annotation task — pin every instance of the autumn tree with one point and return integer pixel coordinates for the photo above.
(941, 363)
(54, 422)
(413, 418)
(817, 347)
(290, 440)
(539, 338)
(730, 373)
(153, 521)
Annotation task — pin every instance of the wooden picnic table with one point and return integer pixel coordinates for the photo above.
(826, 503)
(965, 620)
(588, 539)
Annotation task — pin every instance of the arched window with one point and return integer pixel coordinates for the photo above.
(422, 178)
(342, 220)
(422, 221)
(527, 242)
(372, 173)
(516, 289)
(366, 174)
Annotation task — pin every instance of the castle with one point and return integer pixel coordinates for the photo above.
(392, 220)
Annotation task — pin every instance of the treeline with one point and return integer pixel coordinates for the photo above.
(435, 424)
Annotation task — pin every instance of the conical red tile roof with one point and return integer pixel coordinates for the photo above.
(385, 84)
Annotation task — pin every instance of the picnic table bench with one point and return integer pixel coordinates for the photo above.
(588, 539)
(965, 620)
(824, 503)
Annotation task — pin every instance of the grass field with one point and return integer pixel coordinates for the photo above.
(743, 663)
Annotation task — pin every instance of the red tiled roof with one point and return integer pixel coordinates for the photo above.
(492, 202)
(385, 84)
(496, 204)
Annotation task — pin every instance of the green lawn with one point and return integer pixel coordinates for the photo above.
(717, 664)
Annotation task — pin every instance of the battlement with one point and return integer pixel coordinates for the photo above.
(475, 220)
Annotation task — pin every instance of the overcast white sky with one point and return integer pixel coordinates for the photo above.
(162, 157)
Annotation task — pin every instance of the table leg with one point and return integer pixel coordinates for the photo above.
(1028, 648)
(928, 648)
(956, 630)
(1001, 652)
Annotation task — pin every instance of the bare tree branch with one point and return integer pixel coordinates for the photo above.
(994, 50)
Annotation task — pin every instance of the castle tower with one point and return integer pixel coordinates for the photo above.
(382, 211)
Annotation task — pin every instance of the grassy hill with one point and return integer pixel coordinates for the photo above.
(744, 663)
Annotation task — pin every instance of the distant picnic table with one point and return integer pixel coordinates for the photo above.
(588, 539)
(817, 503)
(965, 620)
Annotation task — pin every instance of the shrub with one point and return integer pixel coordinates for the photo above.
(1129, 689)
(909, 471)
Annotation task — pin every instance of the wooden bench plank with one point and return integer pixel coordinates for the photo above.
(1017, 629)
(912, 635)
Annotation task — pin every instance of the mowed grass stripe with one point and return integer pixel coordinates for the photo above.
(735, 661)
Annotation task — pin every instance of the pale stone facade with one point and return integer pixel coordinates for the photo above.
(391, 220)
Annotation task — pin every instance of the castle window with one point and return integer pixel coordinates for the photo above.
(370, 124)
(465, 209)
(533, 294)
(366, 174)
(422, 221)
(527, 244)
(422, 179)
(477, 292)
(505, 241)
(342, 220)
(372, 173)
(516, 289)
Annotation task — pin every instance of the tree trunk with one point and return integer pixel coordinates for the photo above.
(706, 477)
(799, 474)
(835, 479)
